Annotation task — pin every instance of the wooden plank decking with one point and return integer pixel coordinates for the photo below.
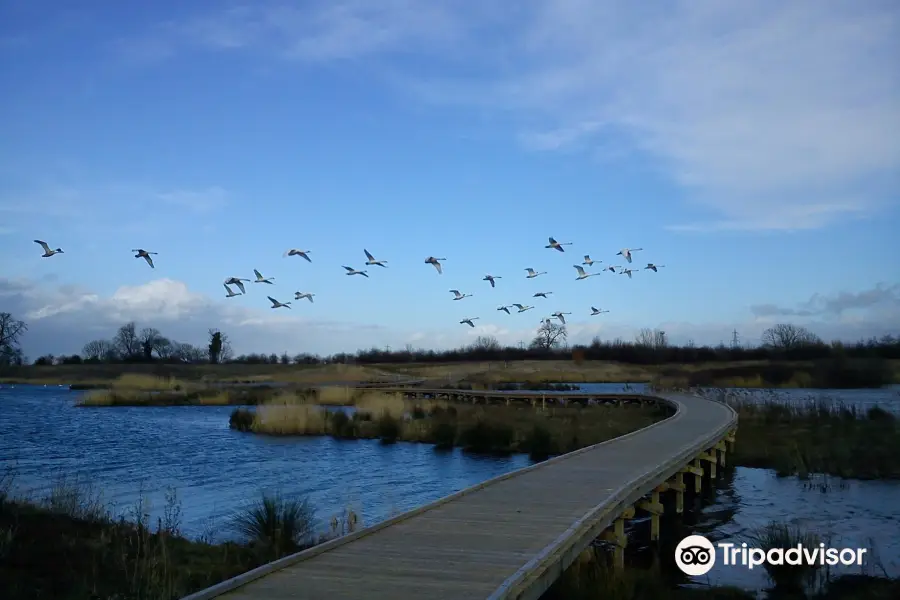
(509, 537)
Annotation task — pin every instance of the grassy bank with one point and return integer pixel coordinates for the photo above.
(477, 428)
(68, 545)
(835, 373)
(101, 374)
(816, 436)
(147, 390)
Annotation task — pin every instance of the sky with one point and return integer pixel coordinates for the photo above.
(750, 148)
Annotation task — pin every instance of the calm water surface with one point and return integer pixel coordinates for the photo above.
(127, 452)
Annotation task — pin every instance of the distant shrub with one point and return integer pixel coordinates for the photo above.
(241, 419)
(388, 428)
(444, 434)
(488, 438)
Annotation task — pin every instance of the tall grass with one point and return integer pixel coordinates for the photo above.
(68, 544)
(817, 437)
(487, 429)
(280, 525)
(783, 536)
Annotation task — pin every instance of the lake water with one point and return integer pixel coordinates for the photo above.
(129, 451)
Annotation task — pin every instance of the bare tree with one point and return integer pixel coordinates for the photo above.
(785, 336)
(11, 332)
(127, 341)
(97, 350)
(549, 335)
(164, 348)
(652, 338)
(485, 343)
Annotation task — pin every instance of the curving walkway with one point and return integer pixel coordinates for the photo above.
(509, 537)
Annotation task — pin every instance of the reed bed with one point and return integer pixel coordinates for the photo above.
(541, 432)
(814, 436)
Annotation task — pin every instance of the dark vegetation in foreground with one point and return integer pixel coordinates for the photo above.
(69, 546)
(591, 577)
(835, 365)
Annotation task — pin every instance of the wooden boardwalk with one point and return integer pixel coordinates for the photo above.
(509, 537)
(518, 396)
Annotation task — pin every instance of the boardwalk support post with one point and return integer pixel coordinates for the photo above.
(678, 486)
(721, 448)
(655, 508)
(730, 438)
(697, 471)
(710, 457)
(617, 537)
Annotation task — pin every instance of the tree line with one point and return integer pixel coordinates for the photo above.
(650, 346)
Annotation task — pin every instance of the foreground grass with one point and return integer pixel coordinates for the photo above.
(67, 545)
(540, 432)
(816, 436)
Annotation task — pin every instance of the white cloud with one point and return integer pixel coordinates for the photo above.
(773, 114)
(62, 318)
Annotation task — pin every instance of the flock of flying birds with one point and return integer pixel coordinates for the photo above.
(435, 262)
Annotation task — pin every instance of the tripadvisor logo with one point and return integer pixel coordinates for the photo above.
(695, 555)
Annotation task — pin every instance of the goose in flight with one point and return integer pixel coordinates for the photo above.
(302, 295)
(141, 253)
(627, 272)
(557, 245)
(504, 308)
(296, 252)
(626, 252)
(595, 311)
(582, 274)
(491, 278)
(352, 271)
(532, 274)
(277, 304)
(458, 295)
(542, 294)
(559, 315)
(434, 261)
(521, 307)
(469, 321)
(47, 251)
(590, 261)
(612, 268)
(653, 267)
(238, 282)
(371, 260)
(231, 293)
(261, 279)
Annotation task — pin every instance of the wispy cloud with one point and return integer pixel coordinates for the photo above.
(882, 297)
(773, 114)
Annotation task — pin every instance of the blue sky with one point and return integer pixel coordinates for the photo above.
(749, 151)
